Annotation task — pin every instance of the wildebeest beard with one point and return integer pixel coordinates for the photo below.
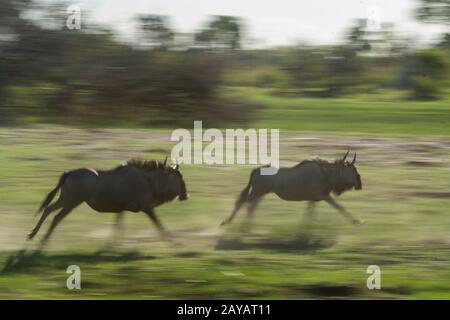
(341, 188)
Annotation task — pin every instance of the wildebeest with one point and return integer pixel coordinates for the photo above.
(137, 185)
(310, 180)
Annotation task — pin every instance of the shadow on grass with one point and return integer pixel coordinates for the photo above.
(327, 290)
(305, 239)
(302, 243)
(23, 261)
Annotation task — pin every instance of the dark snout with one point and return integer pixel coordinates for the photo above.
(183, 197)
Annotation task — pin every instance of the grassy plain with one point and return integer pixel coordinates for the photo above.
(403, 157)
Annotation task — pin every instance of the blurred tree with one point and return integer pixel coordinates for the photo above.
(357, 37)
(222, 32)
(325, 71)
(343, 71)
(307, 66)
(11, 27)
(156, 31)
(89, 74)
(445, 42)
(431, 72)
(434, 11)
(380, 41)
(431, 66)
(205, 38)
(34, 54)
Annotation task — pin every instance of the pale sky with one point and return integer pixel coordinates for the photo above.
(269, 22)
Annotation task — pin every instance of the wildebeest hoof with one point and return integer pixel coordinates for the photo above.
(358, 221)
(30, 235)
(224, 222)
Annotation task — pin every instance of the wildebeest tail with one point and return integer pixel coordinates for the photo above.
(52, 193)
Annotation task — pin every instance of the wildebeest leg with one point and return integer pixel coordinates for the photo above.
(252, 193)
(56, 220)
(309, 218)
(252, 204)
(311, 207)
(310, 211)
(233, 213)
(151, 214)
(118, 225)
(344, 212)
(117, 232)
(55, 206)
(242, 199)
(253, 201)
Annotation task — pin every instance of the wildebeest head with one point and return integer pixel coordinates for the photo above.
(349, 176)
(177, 186)
(167, 181)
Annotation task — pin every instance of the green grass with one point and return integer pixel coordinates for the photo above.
(403, 201)
(386, 112)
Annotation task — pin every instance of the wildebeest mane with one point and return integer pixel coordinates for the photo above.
(320, 162)
(147, 165)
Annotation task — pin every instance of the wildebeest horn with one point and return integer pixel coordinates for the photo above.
(354, 159)
(165, 161)
(345, 157)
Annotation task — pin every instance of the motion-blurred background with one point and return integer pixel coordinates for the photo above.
(94, 83)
